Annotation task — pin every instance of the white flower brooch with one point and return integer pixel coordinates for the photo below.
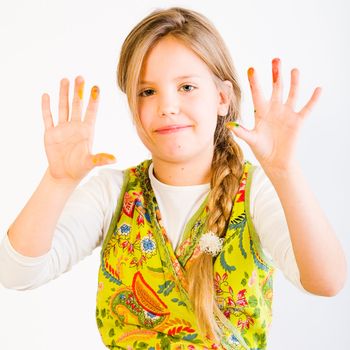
(210, 243)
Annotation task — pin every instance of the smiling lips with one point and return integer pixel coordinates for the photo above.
(172, 128)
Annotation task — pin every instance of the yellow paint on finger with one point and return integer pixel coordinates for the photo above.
(81, 90)
(95, 91)
(99, 158)
(232, 125)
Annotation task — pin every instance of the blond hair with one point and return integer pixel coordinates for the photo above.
(199, 34)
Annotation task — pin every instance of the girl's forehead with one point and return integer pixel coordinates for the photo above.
(171, 58)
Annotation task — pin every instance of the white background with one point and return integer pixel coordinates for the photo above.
(44, 41)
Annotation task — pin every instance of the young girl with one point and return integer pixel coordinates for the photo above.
(192, 236)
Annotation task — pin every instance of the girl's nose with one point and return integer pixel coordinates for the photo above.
(168, 105)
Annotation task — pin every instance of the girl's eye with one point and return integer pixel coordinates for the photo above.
(188, 87)
(146, 93)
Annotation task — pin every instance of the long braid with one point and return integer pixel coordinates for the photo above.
(226, 172)
(227, 166)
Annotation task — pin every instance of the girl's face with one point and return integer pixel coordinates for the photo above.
(178, 103)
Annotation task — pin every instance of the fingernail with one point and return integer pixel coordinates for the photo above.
(64, 81)
(81, 91)
(232, 125)
(275, 63)
(250, 72)
(95, 92)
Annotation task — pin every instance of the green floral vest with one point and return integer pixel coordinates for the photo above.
(142, 299)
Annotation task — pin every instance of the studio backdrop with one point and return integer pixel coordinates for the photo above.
(42, 42)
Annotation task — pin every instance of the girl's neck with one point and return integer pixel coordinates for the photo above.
(182, 173)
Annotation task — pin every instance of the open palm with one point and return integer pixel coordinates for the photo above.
(277, 124)
(68, 144)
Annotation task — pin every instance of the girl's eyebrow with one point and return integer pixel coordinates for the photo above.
(142, 82)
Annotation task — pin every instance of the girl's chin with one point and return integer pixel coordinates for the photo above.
(177, 156)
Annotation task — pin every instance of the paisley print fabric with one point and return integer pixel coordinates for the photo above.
(142, 299)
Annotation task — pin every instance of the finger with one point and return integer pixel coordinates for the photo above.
(101, 159)
(246, 135)
(90, 115)
(77, 98)
(257, 96)
(308, 107)
(46, 111)
(294, 83)
(276, 80)
(63, 104)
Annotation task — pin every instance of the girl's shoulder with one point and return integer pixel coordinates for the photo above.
(101, 187)
(107, 177)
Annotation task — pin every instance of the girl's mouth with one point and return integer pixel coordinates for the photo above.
(172, 129)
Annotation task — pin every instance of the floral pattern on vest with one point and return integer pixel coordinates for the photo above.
(142, 299)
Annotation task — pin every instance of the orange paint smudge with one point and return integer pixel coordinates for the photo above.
(95, 92)
(98, 158)
(250, 72)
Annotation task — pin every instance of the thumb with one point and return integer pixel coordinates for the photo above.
(100, 159)
(243, 133)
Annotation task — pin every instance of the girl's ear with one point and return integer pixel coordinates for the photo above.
(225, 93)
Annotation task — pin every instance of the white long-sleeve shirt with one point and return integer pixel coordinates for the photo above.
(87, 214)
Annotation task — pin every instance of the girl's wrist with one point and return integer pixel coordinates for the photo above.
(278, 174)
(67, 184)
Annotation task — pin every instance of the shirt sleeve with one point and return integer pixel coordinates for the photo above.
(271, 226)
(81, 228)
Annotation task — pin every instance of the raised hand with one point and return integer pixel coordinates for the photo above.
(68, 144)
(277, 124)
